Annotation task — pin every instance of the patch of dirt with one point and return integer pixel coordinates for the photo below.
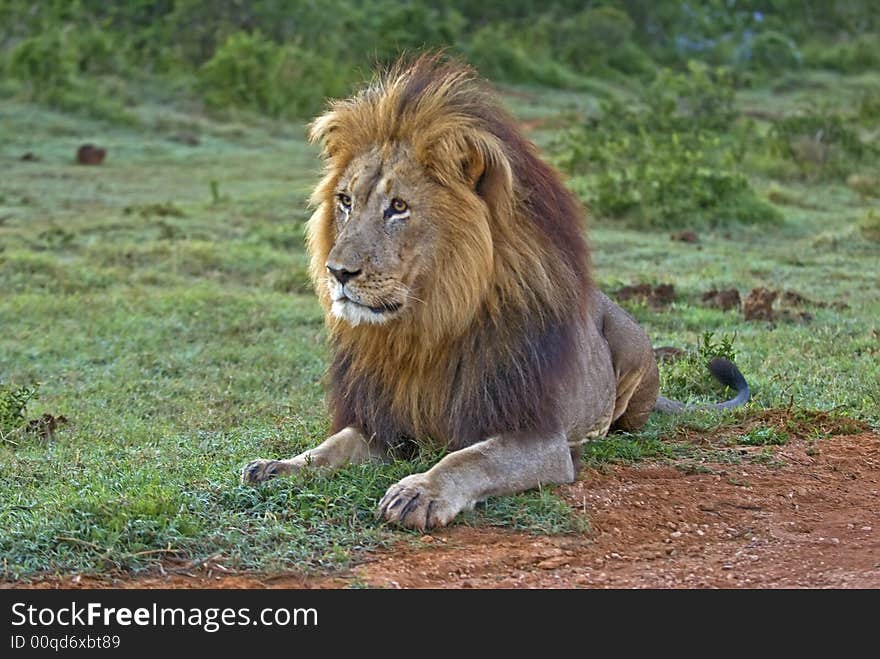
(45, 426)
(725, 299)
(794, 424)
(656, 297)
(758, 304)
(809, 519)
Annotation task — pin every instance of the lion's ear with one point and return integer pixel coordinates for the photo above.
(488, 171)
(321, 130)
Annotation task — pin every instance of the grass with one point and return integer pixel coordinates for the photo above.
(161, 302)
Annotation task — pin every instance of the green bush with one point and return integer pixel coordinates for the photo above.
(593, 41)
(499, 55)
(822, 144)
(13, 406)
(700, 98)
(252, 72)
(770, 52)
(397, 27)
(51, 66)
(671, 180)
(690, 375)
(859, 54)
(673, 163)
(45, 62)
(869, 226)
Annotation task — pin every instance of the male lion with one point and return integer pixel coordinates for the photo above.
(452, 266)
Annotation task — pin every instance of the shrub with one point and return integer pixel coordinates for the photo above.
(666, 165)
(252, 72)
(589, 35)
(770, 51)
(821, 143)
(869, 226)
(45, 62)
(701, 98)
(594, 40)
(690, 375)
(859, 54)
(496, 52)
(13, 406)
(399, 27)
(50, 66)
(671, 180)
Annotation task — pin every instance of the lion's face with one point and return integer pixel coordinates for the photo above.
(390, 238)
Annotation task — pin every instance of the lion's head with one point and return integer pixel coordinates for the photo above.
(440, 242)
(395, 231)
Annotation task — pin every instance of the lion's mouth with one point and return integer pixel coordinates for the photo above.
(384, 308)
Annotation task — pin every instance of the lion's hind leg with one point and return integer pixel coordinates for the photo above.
(348, 446)
(636, 399)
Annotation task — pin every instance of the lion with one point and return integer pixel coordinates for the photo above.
(453, 269)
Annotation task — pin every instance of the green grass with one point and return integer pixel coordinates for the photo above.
(162, 303)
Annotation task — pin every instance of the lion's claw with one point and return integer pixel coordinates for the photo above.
(415, 503)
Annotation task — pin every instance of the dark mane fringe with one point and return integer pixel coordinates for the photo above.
(493, 387)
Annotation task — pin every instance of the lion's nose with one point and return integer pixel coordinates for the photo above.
(342, 274)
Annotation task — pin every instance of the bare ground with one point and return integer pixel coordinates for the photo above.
(808, 518)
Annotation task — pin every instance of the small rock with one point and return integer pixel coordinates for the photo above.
(675, 534)
(867, 528)
(89, 154)
(553, 563)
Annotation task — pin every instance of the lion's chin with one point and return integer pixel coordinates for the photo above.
(357, 314)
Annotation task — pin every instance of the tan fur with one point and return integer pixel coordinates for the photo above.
(472, 270)
(494, 245)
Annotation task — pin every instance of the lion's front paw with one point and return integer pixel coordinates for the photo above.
(259, 471)
(417, 503)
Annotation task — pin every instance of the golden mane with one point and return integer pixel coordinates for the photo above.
(497, 338)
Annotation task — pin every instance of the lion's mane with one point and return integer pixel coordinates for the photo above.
(494, 344)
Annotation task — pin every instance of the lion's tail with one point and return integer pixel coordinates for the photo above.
(726, 372)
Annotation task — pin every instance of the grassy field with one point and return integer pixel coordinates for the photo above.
(161, 302)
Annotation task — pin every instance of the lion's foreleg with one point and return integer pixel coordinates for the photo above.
(348, 446)
(501, 465)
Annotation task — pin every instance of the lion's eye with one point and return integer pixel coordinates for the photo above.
(398, 205)
(344, 200)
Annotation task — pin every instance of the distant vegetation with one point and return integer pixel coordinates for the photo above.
(279, 58)
(675, 148)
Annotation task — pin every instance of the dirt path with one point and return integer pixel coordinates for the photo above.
(810, 518)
